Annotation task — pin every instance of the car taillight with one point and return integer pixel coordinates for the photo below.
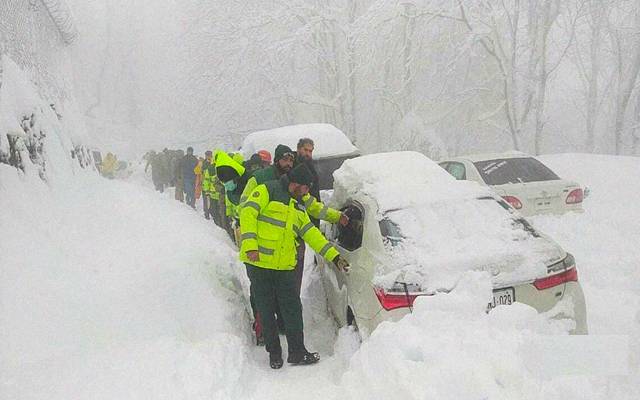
(513, 201)
(576, 196)
(570, 275)
(392, 300)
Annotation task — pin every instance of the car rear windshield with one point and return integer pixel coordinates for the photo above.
(514, 170)
(325, 168)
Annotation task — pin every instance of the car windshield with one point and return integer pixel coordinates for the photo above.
(433, 244)
(325, 168)
(514, 170)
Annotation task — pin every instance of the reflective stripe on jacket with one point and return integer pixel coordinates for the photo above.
(272, 227)
(313, 206)
(209, 182)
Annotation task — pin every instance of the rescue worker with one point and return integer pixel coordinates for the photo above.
(188, 164)
(206, 201)
(271, 223)
(283, 162)
(219, 188)
(210, 190)
(233, 176)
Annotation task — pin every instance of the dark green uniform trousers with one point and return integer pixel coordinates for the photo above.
(272, 288)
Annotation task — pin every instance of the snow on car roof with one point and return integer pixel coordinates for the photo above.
(329, 140)
(400, 179)
(491, 156)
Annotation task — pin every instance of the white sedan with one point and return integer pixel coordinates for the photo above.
(414, 230)
(523, 181)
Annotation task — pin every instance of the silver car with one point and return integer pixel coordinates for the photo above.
(439, 237)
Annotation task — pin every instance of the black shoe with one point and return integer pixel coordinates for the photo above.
(275, 361)
(304, 358)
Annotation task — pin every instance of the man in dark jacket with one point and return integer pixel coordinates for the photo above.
(187, 164)
(304, 155)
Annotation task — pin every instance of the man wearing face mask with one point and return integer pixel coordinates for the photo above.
(233, 176)
(271, 223)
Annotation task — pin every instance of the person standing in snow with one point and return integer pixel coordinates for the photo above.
(165, 161)
(210, 189)
(154, 160)
(315, 208)
(233, 176)
(271, 224)
(284, 157)
(187, 165)
(177, 172)
(283, 162)
(206, 200)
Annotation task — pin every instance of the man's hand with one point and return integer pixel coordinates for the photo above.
(253, 255)
(342, 264)
(344, 219)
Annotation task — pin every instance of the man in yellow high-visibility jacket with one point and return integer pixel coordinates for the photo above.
(271, 223)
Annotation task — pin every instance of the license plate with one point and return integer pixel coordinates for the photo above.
(502, 297)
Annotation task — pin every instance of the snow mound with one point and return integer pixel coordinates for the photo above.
(449, 348)
(329, 140)
(442, 241)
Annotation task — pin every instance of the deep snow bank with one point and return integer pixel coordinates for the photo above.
(110, 291)
(113, 291)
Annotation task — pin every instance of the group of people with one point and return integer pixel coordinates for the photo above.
(270, 208)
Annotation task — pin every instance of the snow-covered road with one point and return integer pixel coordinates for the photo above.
(112, 291)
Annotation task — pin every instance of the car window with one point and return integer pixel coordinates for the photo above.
(325, 167)
(350, 236)
(457, 170)
(390, 231)
(514, 170)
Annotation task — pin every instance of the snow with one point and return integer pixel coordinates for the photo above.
(63, 18)
(111, 290)
(445, 230)
(444, 240)
(329, 140)
(400, 180)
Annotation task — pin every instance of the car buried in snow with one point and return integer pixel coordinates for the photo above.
(523, 181)
(331, 148)
(414, 230)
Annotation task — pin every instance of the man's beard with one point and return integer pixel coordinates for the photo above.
(282, 170)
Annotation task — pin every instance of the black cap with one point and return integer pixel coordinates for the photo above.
(301, 175)
(282, 151)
